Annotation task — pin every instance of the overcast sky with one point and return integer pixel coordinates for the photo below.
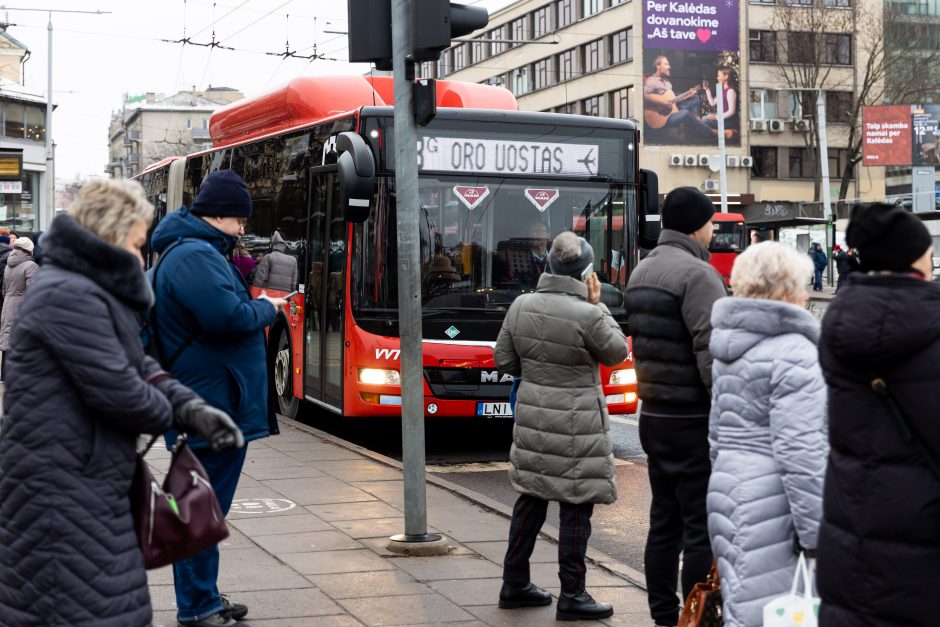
(99, 58)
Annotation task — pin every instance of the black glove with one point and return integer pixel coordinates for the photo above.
(214, 425)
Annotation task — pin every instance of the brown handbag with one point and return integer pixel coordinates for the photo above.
(703, 606)
(179, 519)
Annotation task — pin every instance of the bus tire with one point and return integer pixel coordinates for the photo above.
(282, 370)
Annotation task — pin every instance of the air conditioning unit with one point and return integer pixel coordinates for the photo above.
(747, 161)
(703, 160)
(758, 125)
(734, 161)
(712, 185)
(690, 161)
(801, 126)
(675, 160)
(775, 126)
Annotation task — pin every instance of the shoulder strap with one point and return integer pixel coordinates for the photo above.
(880, 387)
(168, 363)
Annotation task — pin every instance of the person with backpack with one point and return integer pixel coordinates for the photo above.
(212, 331)
(79, 392)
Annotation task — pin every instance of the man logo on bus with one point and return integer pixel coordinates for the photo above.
(541, 198)
(492, 376)
(471, 196)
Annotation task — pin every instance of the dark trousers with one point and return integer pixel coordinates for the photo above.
(679, 468)
(197, 596)
(817, 280)
(528, 515)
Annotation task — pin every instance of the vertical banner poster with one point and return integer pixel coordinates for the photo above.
(925, 135)
(688, 47)
(886, 138)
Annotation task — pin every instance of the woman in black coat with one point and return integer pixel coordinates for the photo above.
(79, 391)
(879, 544)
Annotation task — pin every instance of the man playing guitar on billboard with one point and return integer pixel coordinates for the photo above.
(660, 108)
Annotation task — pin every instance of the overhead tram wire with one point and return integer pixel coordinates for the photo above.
(216, 21)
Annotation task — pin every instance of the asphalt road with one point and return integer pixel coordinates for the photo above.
(475, 454)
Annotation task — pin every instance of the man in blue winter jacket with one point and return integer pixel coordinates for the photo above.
(819, 265)
(213, 331)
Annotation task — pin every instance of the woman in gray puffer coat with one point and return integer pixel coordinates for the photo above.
(767, 431)
(19, 272)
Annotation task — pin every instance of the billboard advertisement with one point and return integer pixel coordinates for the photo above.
(904, 135)
(689, 46)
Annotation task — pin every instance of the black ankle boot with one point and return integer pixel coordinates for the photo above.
(514, 595)
(581, 606)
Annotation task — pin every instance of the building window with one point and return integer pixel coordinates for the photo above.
(566, 11)
(189, 123)
(592, 7)
(518, 31)
(763, 1)
(498, 48)
(542, 74)
(593, 106)
(426, 69)
(800, 163)
(801, 104)
(838, 49)
(763, 104)
(593, 59)
(763, 46)
(838, 159)
(838, 4)
(567, 65)
(480, 50)
(764, 162)
(838, 107)
(459, 57)
(443, 66)
(621, 46)
(801, 47)
(614, 3)
(620, 103)
(520, 80)
(569, 107)
(541, 22)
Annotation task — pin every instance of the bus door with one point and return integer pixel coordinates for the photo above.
(324, 300)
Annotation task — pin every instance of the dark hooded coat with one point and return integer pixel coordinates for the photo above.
(879, 543)
(77, 397)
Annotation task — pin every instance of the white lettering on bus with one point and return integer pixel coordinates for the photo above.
(387, 353)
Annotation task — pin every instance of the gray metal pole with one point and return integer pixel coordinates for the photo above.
(45, 216)
(409, 281)
(824, 166)
(723, 170)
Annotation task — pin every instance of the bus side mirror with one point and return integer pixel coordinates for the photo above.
(356, 175)
(648, 215)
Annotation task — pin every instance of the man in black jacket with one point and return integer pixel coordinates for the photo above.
(669, 300)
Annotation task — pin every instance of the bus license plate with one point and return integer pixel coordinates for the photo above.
(494, 410)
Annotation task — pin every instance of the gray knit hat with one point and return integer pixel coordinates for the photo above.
(570, 255)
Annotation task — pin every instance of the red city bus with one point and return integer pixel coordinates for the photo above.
(318, 157)
(728, 241)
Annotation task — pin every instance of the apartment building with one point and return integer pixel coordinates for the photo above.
(149, 127)
(594, 57)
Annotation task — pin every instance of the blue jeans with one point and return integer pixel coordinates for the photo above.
(686, 116)
(817, 279)
(197, 596)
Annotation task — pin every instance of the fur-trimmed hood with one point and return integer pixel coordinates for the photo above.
(72, 247)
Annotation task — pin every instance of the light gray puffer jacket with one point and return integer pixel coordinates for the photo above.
(768, 439)
(277, 270)
(554, 338)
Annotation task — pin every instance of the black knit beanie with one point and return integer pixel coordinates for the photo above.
(888, 238)
(223, 193)
(686, 209)
(571, 267)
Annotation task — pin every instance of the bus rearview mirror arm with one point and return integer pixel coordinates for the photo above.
(649, 221)
(356, 175)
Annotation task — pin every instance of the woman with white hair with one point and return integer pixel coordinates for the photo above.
(79, 392)
(767, 430)
(19, 272)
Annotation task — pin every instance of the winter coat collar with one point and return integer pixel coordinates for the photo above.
(675, 239)
(182, 223)
(70, 246)
(563, 285)
(740, 323)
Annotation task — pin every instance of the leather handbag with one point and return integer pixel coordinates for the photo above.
(182, 517)
(703, 606)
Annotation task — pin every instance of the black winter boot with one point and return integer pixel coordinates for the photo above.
(515, 595)
(581, 606)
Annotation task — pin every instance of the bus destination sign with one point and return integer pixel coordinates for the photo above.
(496, 156)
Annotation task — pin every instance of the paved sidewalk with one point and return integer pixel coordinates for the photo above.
(309, 527)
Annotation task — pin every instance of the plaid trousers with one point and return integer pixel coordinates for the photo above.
(528, 516)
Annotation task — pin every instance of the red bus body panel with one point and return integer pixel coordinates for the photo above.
(723, 261)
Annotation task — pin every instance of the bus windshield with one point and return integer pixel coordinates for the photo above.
(484, 241)
(728, 237)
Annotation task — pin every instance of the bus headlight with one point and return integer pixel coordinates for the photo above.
(379, 376)
(623, 377)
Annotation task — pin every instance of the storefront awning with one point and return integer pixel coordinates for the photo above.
(780, 214)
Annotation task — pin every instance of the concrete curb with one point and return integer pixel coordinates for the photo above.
(550, 532)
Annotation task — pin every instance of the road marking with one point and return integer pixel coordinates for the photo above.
(625, 421)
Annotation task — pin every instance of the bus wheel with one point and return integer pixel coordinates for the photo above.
(288, 405)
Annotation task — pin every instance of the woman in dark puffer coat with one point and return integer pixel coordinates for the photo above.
(80, 390)
(879, 543)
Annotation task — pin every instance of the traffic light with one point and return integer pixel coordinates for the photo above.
(433, 24)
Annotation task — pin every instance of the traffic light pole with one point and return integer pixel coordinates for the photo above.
(416, 539)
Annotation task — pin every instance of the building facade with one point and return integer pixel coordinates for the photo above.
(605, 57)
(150, 128)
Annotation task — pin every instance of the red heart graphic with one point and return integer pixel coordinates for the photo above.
(703, 34)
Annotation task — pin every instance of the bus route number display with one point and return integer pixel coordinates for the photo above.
(496, 156)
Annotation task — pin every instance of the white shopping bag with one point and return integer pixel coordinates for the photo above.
(795, 610)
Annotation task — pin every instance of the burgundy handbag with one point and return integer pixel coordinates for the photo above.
(179, 519)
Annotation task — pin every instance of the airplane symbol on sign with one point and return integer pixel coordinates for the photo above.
(588, 161)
